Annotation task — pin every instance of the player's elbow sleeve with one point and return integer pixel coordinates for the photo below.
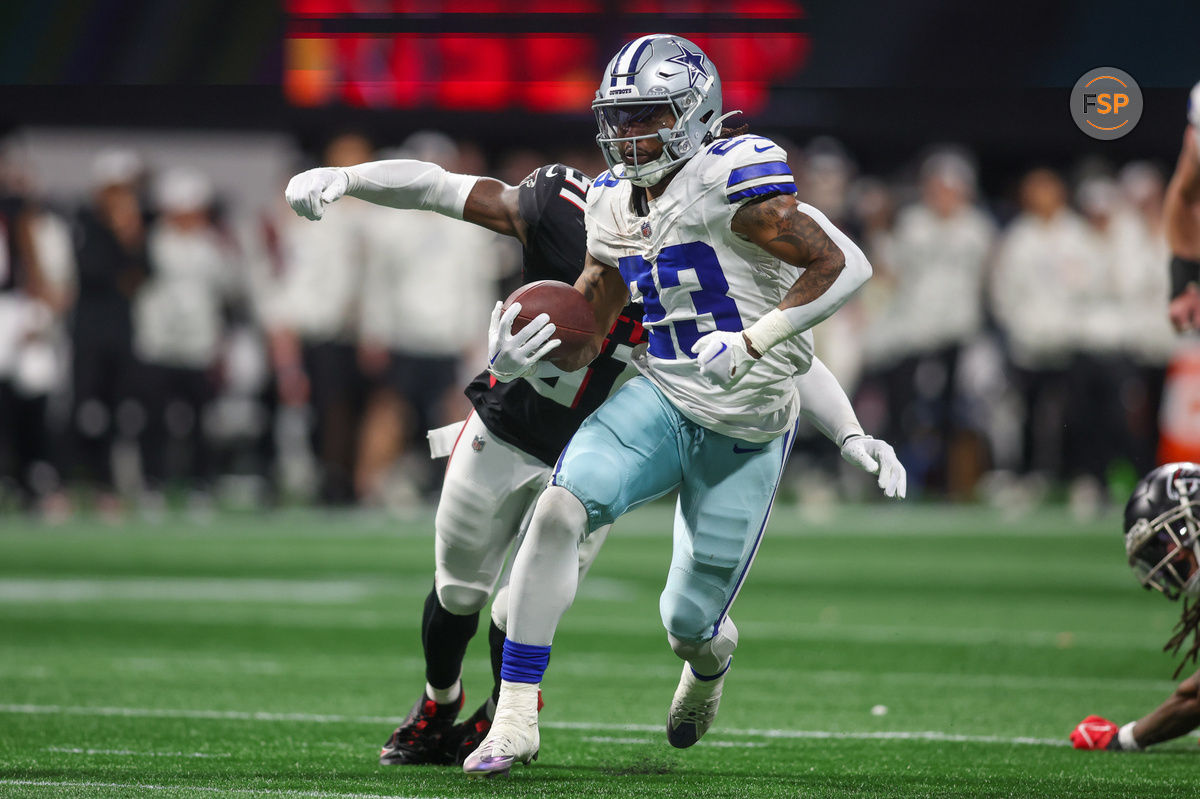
(858, 268)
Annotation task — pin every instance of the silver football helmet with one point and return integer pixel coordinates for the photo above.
(650, 75)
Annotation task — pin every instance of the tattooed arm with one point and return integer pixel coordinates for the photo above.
(605, 290)
(834, 267)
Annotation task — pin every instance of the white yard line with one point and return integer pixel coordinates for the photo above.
(241, 663)
(237, 715)
(607, 739)
(70, 750)
(139, 786)
(180, 589)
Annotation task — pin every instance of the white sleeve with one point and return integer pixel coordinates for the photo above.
(407, 184)
(783, 323)
(825, 404)
(856, 272)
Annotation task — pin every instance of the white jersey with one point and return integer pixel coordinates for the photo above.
(693, 275)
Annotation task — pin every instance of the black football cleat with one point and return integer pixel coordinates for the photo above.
(418, 739)
(466, 736)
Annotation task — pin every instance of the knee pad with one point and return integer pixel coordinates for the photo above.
(557, 509)
(691, 605)
(720, 646)
(685, 619)
(596, 479)
(463, 515)
(462, 600)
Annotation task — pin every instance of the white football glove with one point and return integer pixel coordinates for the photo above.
(875, 456)
(723, 357)
(309, 192)
(512, 355)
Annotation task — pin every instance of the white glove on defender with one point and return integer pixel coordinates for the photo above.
(309, 192)
(874, 456)
(515, 355)
(723, 357)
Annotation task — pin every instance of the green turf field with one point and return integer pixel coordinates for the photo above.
(272, 655)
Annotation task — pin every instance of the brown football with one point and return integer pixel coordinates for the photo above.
(574, 323)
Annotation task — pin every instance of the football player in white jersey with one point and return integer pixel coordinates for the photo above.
(704, 230)
(505, 452)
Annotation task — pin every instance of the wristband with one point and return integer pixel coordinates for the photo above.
(1183, 272)
(1126, 740)
(769, 331)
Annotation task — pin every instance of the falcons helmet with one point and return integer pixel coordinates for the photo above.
(1162, 530)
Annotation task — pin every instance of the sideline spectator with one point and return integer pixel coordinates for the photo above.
(938, 257)
(430, 284)
(178, 329)
(1043, 275)
(111, 262)
(314, 347)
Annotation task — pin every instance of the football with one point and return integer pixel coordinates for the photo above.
(575, 325)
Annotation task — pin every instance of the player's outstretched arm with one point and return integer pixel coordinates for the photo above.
(410, 185)
(834, 268)
(826, 405)
(1177, 716)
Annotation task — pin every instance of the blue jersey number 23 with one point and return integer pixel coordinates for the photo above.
(711, 298)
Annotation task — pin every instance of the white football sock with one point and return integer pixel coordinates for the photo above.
(444, 696)
(545, 571)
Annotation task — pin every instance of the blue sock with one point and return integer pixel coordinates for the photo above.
(524, 662)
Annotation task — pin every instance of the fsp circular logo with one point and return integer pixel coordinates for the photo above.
(1106, 103)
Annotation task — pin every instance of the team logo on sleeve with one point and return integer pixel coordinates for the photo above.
(646, 231)
(477, 443)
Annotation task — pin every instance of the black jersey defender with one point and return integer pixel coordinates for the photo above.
(539, 415)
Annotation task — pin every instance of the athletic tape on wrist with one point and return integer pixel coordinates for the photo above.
(769, 331)
(1183, 272)
(1125, 738)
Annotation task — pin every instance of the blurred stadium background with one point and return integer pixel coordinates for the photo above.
(177, 348)
(1011, 346)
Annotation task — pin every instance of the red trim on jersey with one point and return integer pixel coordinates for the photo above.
(491, 380)
(461, 430)
(582, 388)
(638, 335)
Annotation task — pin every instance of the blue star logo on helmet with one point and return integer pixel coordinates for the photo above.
(694, 62)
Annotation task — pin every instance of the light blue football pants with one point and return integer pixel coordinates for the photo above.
(636, 447)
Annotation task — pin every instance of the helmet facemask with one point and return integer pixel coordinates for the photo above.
(680, 140)
(1164, 552)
